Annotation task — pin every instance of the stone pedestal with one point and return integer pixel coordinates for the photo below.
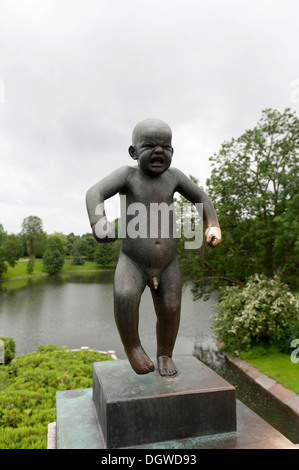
(195, 409)
(135, 410)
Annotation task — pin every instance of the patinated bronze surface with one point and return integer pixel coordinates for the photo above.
(148, 259)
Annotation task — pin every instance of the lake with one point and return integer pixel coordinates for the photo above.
(77, 310)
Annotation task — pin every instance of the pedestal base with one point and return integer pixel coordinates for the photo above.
(135, 410)
(195, 409)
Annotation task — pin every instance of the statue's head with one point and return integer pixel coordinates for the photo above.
(151, 146)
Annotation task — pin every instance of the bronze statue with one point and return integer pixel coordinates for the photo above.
(148, 260)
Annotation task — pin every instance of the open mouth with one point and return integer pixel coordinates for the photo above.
(157, 161)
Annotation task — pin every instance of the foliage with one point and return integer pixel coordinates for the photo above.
(77, 257)
(55, 243)
(58, 241)
(30, 266)
(86, 246)
(10, 250)
(9, 349)
(32, 231)
(265, 312)
(53, 261)
(254, 188)
(27, 405)
(40, 244)
(104, 254)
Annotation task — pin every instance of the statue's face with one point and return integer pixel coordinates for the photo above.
(153, 150)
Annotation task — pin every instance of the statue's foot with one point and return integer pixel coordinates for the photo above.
(166, 366)
(140, 361)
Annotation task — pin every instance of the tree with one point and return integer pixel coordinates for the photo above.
(32, 230)
(10, 250)
(77, 258)
(56, 243)
(63, 239)
(53, 261)
(254, 188)
(104, 254)
(87, 245)
(53, 257)
(71, 239)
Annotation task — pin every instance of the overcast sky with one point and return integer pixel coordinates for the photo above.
(77, 75)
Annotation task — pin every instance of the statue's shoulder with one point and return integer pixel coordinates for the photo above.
(124, 171)
(175, 173)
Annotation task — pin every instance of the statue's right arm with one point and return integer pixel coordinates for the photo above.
(104, 189)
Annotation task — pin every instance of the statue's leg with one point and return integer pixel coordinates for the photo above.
(167, 301)
(129, 283)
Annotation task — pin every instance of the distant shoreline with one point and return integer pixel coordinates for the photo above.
(61, 272)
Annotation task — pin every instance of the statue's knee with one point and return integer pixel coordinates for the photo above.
(124, 294)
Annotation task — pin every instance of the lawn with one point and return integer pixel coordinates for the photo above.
(280, 367)
(20, 268)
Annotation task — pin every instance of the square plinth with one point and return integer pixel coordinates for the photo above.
(140, 409)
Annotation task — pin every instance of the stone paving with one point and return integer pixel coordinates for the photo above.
(110, 353)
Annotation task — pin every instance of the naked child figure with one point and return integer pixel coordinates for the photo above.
(148, 260)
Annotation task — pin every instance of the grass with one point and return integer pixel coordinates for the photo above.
(279, 367)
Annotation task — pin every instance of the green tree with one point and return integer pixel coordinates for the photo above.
(40, 245)
(254, 188)
(63, 239)
(32, 231)
(53, 257)
(10, 250)
(77, 258)
(30, 266)
(53, 261)
(87, 246)
(71, 238)
(104, 254)
(56, 243)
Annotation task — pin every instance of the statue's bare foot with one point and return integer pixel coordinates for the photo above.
(140, 361)
(166, 366)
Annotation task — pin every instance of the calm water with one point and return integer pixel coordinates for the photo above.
(77, 310)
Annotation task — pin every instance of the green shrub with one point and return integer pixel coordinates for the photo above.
(30, 266)
(104, 254)
(77, 259)
(27, 401)
(264, 312)
(53, 261)
(9, 349)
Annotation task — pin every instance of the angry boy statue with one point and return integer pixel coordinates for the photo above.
(148, 260)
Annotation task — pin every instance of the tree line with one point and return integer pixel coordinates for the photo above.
(254, 187)
(33, 242)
